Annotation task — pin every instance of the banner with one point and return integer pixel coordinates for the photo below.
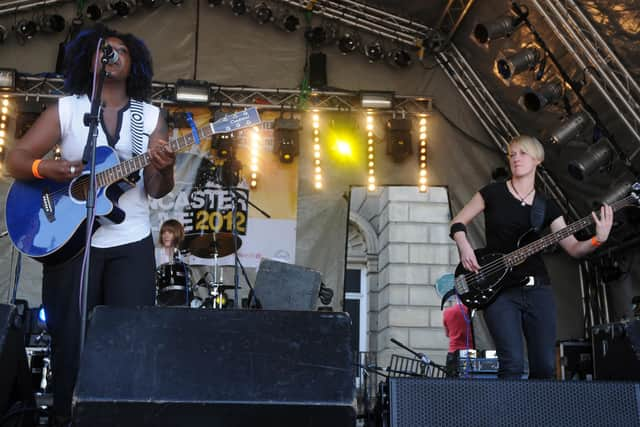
(212, 193)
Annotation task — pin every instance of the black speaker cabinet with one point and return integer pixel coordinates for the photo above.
(15, 380)
(283, 286)
(176, 366)
(419, 402)
(616, 350)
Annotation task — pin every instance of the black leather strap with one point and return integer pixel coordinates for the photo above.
(537, 211)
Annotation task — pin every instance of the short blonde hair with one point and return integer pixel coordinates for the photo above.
(529, 145)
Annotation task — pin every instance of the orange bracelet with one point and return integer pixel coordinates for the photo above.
(595, 242)
(34, 169)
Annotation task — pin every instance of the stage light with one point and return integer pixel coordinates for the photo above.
(523, 60)
(192, 91)
(317, 166)
(398, 136)
(52, 23)
(617, 191)
(536, 100)
(315, 36)
(371, 154)
(123, 8)
(400, 58)
(376, 100)
(7, 79)
(570, 128)
(3, 34)
(26, 29)
(422, 156)
(238, 7)
(503, 27)
(595, 157)
(262, 13)
(289, 23)
(223, 144)
(254, 156)
(94, 11)
(348, 43)
(214, 3)
(286, 139)
(374, 51)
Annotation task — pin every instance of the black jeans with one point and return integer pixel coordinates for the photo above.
(528, 312)
(121, 276)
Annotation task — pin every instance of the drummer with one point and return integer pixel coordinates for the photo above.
(170, 236)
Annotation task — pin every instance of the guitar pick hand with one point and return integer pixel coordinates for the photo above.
(59, 170)
(603, 222)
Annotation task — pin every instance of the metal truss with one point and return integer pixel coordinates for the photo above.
(453, 14)
(16, 6)
(37, 88)
(595, 57)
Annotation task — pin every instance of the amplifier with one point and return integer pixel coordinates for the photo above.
(616, 350)
(574, 360)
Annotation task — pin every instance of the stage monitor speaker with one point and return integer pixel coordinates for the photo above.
(15, 380)
(318, 70)
(283, 286)
(417, 402)
(176, 366)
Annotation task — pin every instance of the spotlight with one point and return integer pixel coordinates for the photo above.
(595, 157)
(52, 23)
(123, 8)
(400, 58)
(223, 144)
(94, 12)
(618, 191)
(348, 43)
(286, 139)
(214, 3)
(238, 7)
(230, 172)
(289, 23)
(26, 29)
(570, 128)
(524, 60)
(263, 13)
(192, 91)
(503, 27)
(316, 36)
(398, 135)
(536, 100)
(376, 100)
(3, 33)
(374, 51)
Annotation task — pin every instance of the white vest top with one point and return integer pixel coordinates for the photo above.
(134, 202)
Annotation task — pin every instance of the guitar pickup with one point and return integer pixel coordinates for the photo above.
(461, 285)
(46, 203)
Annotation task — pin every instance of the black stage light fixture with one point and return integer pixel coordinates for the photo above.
(263, 13)
(94, 12)
(223, 144)
(26, 29)
(286, 139)
(398, 136)
(400, 58)
(238, 7)
(374, 51)
(123, 8)
(502, 27)
(215, 3)
(569, 128)
(595, 157)
(536, 100)
(289, 22)
(315, 36)
(348, 43)
(617, 191)
(52, 23)
(523, 60)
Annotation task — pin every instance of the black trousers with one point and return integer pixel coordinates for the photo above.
(121, 276)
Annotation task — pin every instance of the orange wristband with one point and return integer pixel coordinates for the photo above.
(34, 169)
(595, 242)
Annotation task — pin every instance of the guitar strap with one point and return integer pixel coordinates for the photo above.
(137, 132)
(537, 212)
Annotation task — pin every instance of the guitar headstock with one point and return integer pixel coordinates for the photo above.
(240, 120)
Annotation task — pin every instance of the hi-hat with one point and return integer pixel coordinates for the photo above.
(206, 245)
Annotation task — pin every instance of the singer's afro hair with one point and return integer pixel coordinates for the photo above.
(79, 52)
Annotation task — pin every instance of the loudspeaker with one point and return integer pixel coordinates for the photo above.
(417, 402)
(170, 366)
(318, 70)
(616, 350)
(283, 286)
(15, 380)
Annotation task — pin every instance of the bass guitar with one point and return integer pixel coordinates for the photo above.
(46, 219)
(478, 289)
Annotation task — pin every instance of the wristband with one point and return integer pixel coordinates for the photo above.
(455, 227)
(595, 242)
(34, 169)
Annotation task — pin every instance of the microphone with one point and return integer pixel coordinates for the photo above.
(109, 55)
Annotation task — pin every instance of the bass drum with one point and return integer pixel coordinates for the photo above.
(173, 284)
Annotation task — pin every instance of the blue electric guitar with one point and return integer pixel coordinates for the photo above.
(46, 219)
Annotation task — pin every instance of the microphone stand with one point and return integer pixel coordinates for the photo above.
(91, 120)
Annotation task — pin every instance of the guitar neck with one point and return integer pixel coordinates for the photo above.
(127, 167)
(519, 255)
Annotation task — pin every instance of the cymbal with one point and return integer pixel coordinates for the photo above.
(206, 245)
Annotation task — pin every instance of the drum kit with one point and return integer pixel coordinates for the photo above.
(174, 280)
